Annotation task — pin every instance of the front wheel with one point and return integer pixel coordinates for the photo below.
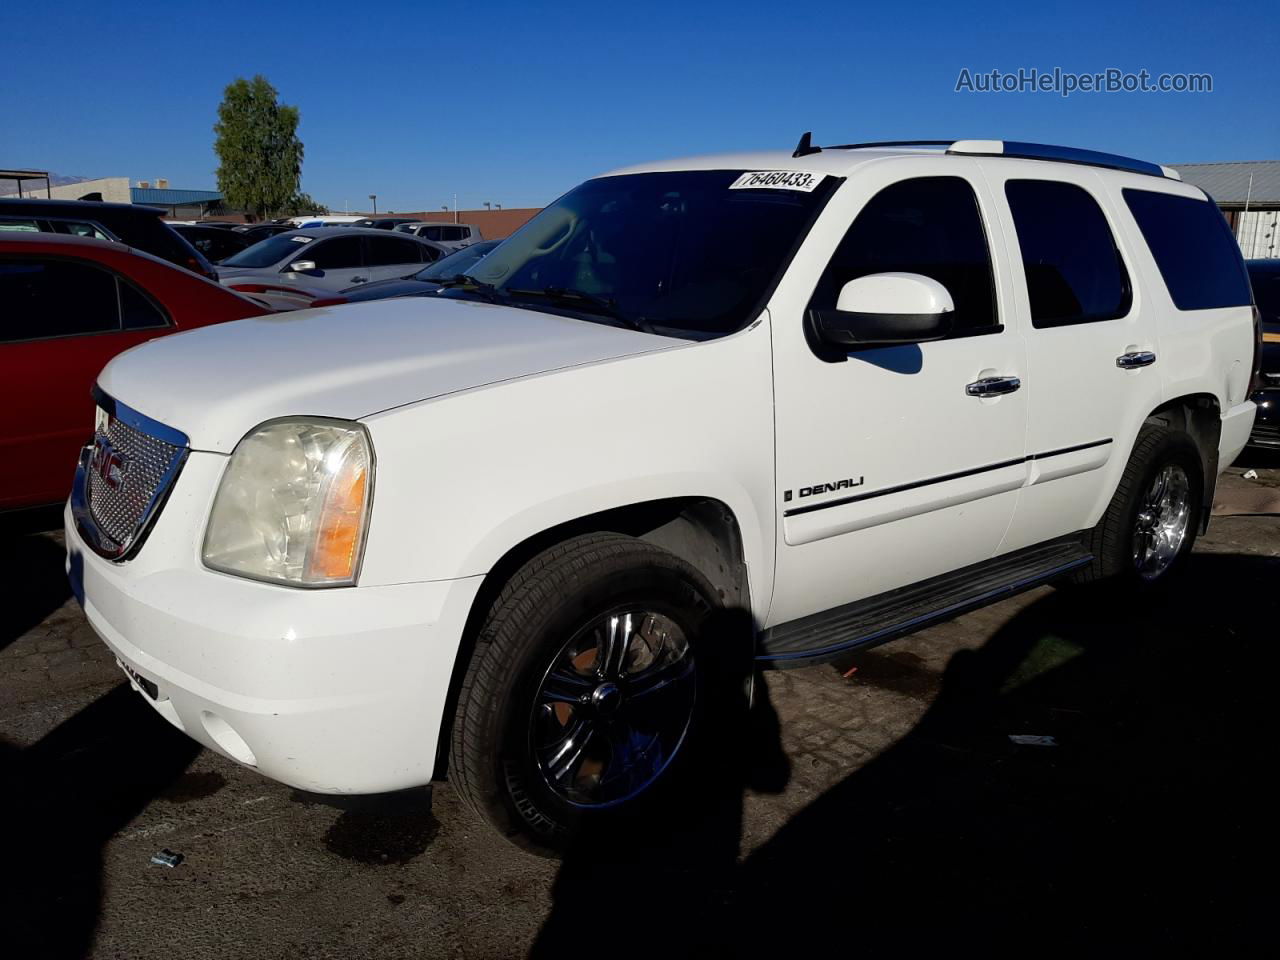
(1151, 524)
(585, 687)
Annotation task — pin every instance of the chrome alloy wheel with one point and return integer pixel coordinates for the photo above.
(1164, 517)
(613, 708)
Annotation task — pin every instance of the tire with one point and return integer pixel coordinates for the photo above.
(1118, 543)
(543, 673)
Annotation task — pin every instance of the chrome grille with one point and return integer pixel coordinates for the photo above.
(1266, 434)
(124, 477)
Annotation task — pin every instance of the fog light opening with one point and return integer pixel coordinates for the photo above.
(226, 738)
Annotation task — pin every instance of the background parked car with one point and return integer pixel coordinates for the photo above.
(385, 223)
(71, 304)
(454, 235)
(329, 260)
(324, 220)
(215, 243)
(1265, 277)
(260, 231)
(138, 226)
(422, 283)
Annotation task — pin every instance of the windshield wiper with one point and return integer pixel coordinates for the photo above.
(486, 290)
(604, 306)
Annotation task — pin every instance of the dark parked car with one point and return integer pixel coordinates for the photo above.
(261, 231)
(138, 226)
(1265, 276)
(70, 304)
(215, 243)
(385, 223)
(420, 284)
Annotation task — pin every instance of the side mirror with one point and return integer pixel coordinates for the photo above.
(301, 266)
(885, 309)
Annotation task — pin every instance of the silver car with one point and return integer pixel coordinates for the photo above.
(326, 261)
(452, 235)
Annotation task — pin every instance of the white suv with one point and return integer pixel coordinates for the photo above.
(773, 404)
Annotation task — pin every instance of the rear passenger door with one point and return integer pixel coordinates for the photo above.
(1092, 350)
(61, 322)
(390, 257)
(339, 263)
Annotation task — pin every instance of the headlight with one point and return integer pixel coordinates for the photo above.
(293, 505)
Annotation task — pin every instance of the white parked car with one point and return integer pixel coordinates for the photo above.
(453, 235)
(783, 406)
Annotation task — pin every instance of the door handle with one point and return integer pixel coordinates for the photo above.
(992, 386)
(359, 279)
(1135, 359)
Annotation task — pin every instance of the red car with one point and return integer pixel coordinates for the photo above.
(68, 305)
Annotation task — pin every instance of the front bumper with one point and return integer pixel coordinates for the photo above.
(1266, 426)
(331, 691)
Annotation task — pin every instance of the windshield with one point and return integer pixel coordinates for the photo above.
(688, 253)
(269, 252)
(456, 263)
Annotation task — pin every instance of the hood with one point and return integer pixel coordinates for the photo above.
(230, 273)
(381, 289)
(218, 382)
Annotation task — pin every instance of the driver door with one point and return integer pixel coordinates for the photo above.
(888, 470)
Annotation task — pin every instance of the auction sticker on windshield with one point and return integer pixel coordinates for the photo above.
(778, 180)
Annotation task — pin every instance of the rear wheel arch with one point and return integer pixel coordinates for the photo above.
(1198, 415)
(702, 531)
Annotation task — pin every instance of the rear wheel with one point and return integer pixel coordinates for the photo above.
(584, 689)
(1151, 524)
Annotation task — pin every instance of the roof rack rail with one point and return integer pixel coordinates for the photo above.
(893, 143)
(1046, 151)
(1028, 151)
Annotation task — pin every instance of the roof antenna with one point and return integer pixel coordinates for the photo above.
(805, 146)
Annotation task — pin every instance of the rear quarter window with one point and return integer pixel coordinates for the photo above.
(1193, 247)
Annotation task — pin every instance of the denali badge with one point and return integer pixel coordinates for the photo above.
(108, 463)
(846, 484)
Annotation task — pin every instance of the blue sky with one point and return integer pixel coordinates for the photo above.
(515, 102)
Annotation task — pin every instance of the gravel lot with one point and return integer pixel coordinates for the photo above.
(877, 803)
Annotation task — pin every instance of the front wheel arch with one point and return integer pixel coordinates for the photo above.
(702, 531)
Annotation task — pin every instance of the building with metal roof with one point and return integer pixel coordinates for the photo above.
(178, 203)
(1248, 195)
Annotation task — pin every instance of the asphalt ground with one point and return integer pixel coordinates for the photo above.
(873, 805)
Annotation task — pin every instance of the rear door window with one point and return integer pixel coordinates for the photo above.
(77, 228)
(392, 251)
(1073, 268)
(55, 298)
(335, 253)
(1194, 249)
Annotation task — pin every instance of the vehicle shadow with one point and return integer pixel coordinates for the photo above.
(1147, 824)
(31, 570)
(62, 799)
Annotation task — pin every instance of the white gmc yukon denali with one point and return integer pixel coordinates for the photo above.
(841, 393)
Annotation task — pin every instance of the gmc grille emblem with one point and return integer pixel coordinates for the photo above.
(108, 463)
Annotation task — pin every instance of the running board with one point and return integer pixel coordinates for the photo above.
(887, 616)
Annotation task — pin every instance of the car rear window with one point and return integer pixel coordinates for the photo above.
(1194, 249)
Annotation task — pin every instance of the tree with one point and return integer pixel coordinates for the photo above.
(259, 153)
(302, 203)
